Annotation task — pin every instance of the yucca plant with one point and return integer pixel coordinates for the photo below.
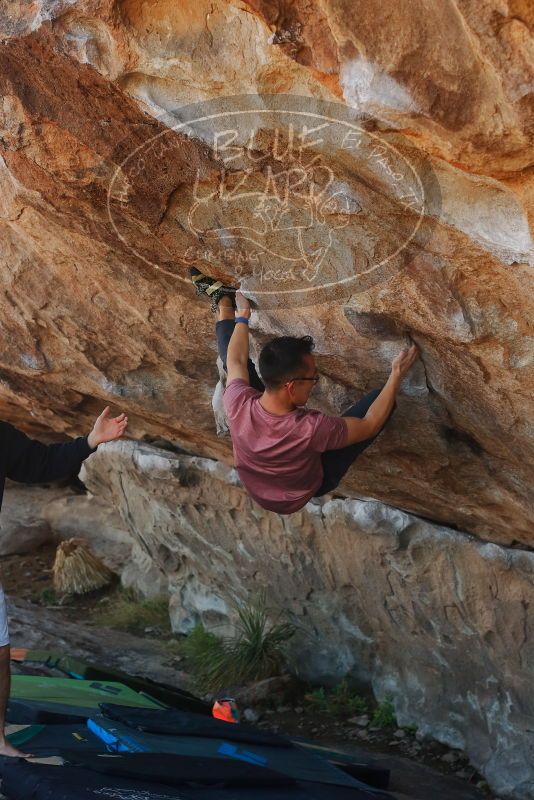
(257, 650)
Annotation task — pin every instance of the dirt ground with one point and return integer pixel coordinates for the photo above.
(420, 770)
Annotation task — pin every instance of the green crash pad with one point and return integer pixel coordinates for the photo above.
(75, 668)
(36, 699)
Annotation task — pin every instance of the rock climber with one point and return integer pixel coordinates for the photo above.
(29, 461)
(284, 453)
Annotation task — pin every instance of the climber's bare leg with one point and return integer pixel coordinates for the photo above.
(6, 749)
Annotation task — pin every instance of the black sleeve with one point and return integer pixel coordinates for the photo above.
(29, 461)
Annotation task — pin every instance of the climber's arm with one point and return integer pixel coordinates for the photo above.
(237, 355)
(30, 461)
(360, 429)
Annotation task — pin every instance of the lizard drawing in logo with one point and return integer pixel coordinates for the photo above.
(291, 216)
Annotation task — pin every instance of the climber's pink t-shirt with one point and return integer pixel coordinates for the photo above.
(278, 457)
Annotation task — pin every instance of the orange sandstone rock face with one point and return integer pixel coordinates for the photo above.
(110, 190)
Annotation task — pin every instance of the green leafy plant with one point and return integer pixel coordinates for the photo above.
(256, 651)
(318, 700)
(175, 646)
(348, 701)
(48, 596)
(384, 714)
(340, 700)
(201, 647)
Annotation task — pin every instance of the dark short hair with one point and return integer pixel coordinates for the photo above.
(282, 357)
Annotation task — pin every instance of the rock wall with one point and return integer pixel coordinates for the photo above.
(434, 617)
(373, 188)
(36, 515)
(95, 304)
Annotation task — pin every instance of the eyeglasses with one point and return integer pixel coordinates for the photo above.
(315, 379)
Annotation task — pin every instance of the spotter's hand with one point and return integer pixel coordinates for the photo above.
(106, 429)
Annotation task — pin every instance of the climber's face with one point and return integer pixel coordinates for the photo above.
(301, 386)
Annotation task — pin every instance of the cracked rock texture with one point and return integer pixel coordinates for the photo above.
(436, 618)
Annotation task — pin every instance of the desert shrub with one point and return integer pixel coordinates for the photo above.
(126, 611)
(340, 700)
(256, 651)
(384, 714)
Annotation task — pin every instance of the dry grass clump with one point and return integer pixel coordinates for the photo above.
(77, 570)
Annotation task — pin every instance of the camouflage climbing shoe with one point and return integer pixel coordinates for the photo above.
(214, 289)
